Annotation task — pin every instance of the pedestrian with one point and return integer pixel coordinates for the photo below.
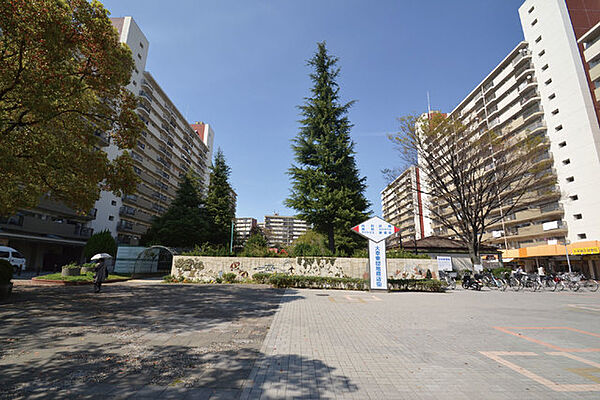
(100, 274)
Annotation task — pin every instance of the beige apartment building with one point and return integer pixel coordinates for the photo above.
(283, 230)
(167, 149)
(402, 206)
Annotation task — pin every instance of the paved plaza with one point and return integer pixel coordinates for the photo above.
(152, 340)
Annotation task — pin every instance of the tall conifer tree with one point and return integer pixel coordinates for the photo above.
(185, 223)
(220, 203)
(327, 190)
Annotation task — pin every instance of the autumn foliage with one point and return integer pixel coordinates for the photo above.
(63, 74)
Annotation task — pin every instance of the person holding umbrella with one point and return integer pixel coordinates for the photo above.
(100, 270)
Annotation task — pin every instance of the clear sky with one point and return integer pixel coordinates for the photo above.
(240, 66)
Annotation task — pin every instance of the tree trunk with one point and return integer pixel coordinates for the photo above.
(474, 254)
(331, 240)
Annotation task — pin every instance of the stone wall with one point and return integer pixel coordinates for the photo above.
(210, 268)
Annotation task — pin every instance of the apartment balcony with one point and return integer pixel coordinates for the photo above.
(523, 55)
(128, 226)
(530, 99)
(103, 138)
(126, 211)
(146, 96)
(147, 86)
(144, 107)
(528, 215)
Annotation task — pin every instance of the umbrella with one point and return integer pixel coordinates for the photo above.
(100, 256)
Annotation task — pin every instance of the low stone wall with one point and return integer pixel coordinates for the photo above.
(209, 268)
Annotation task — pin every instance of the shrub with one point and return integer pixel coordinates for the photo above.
(168, 278)
(6, 272)
(208, 250)
(101, 242)
(71, 266)
(261, 277)
(417, 285)
(499, 272)
(316, 282)
(229, 277)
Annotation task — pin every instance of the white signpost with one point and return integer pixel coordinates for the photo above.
(376, 230)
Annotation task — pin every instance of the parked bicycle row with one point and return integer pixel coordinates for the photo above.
(518, 280)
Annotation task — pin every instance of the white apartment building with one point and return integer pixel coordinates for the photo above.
(243, 227)
(402, 206)
(552, 29)
(168, 148)
(283, 230)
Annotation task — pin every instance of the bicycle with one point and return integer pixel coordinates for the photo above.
(449, 278)
(587, 283)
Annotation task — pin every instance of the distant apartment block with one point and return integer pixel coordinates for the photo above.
(282, 230)
(402, 206)
(168, 148)
(243, 227)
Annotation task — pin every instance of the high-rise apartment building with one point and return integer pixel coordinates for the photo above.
(402, 206)
(282, 230)
(168, 148)
(567, 94)
(243, 227)
(546, 87)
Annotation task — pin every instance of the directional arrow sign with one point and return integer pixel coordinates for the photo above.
(375, 229)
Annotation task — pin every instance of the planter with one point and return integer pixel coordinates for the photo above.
(71, 271)
(5, 290)
(85, 270)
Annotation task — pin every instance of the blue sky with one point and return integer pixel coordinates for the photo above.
(240, 66)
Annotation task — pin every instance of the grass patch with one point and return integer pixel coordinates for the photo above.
(88, 277)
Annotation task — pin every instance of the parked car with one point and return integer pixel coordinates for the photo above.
(17, 259)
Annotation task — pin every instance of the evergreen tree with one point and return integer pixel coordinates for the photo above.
(101, 242)
(185, 223)
(326, 188)
(220, 203)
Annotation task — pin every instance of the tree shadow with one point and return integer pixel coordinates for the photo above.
(91, 371)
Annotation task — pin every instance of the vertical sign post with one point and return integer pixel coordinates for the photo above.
(376, 230)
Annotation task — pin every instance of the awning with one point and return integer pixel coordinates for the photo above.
(554, 250)
(42, 239)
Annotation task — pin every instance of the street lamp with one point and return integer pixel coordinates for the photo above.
(567, 254)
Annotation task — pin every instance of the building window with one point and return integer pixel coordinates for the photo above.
(581, 236)
(539, 39)
(562, 144)
(134, 83)
(555, 112)
(571, 179)
(113, 203)
(139, 56)
(558, 128)
(111, 218)
(549, 81)
(531, 9)
(541, 53)
(566, 162)
(534, 22)
(552, 96)
(578, 216)
(545, 67)
(141, 45)
(574, 197)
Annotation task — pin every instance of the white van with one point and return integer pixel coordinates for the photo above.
(14, 257)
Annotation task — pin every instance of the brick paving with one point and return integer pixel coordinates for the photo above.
(461, 345)
(147, 340)
(134, 340)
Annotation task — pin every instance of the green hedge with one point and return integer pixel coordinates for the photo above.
(416, 285)
(316, 282)
(261, 277)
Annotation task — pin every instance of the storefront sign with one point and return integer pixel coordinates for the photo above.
(586, 250)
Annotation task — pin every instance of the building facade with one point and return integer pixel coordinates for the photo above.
(168, 148)
(402, 206)
(546, 88)
(243, 227)
(282, 230)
